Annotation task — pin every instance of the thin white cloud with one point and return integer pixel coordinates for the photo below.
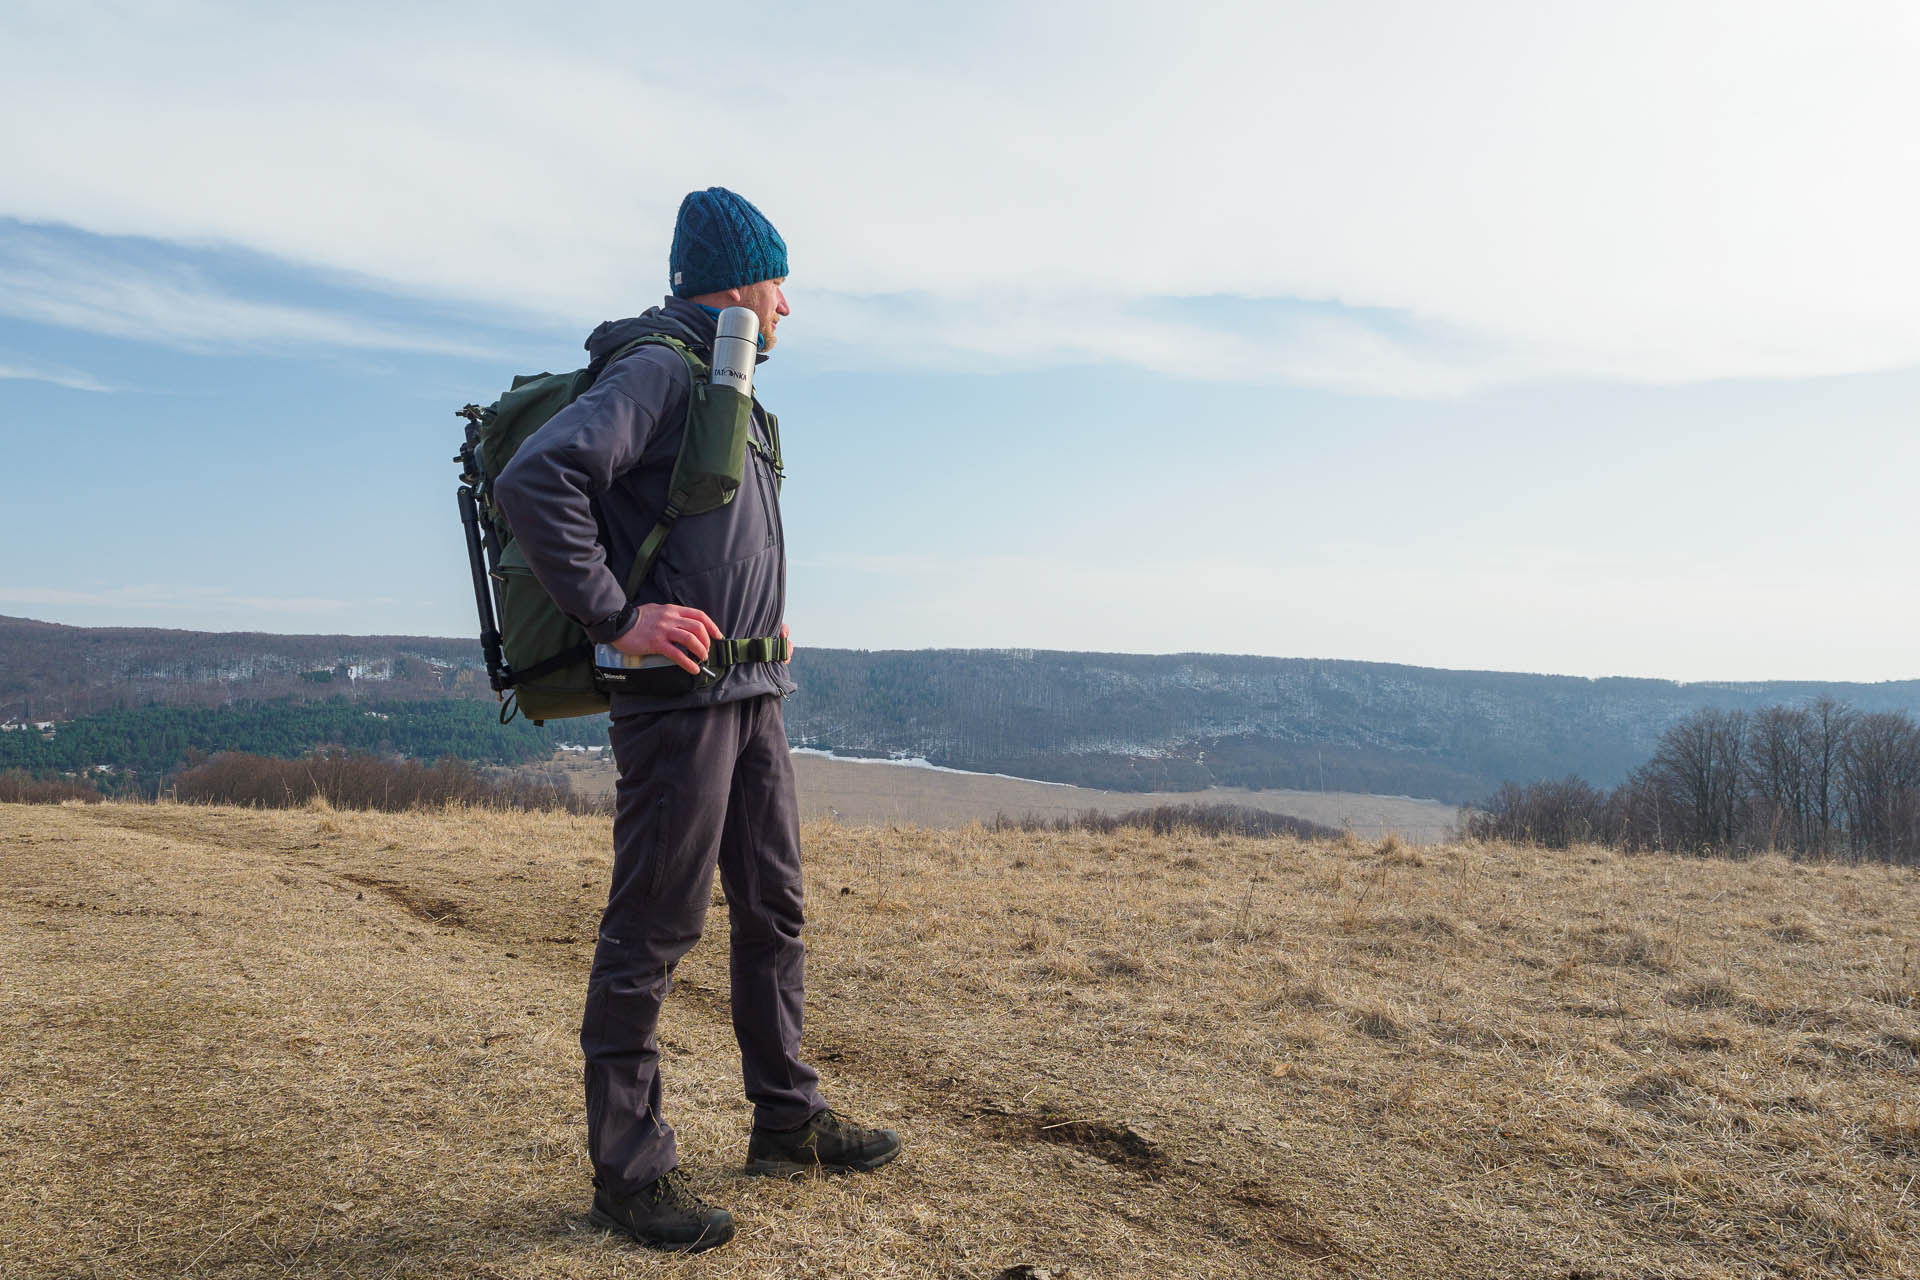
(176, 306)
(1327, 348)
(1654, 190)
(58, 375)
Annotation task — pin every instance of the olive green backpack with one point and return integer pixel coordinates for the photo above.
(539, 660)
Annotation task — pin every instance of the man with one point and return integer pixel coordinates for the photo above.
(704, 775)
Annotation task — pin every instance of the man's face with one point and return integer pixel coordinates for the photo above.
(765, 300)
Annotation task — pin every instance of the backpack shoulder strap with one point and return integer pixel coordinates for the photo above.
(696, 391)
(695, 365)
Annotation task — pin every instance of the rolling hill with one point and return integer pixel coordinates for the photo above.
(1113, 721)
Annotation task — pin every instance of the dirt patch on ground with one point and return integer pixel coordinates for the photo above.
(416, 903)
(1116, 1144)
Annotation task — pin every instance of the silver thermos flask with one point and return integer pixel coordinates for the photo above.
(736, 345)
(736, 348)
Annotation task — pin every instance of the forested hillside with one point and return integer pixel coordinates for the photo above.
(1118, 721)
(54, 672)
(149, 741)
(1193, 720)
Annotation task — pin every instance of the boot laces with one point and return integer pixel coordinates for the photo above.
(675, 1189)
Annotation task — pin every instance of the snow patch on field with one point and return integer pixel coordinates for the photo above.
(917, 762)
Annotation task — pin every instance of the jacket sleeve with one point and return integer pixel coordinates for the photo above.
(547, 491)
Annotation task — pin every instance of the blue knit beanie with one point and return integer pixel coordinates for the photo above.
(720, 241)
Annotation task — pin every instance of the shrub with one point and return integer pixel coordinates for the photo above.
(1556, 815)
(361, 781)
(17, 786)
(1206, 819)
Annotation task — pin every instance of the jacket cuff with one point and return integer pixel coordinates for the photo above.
(613, 626)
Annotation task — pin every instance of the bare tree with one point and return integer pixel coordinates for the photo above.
(1828, 725)
(1697, 771)
(1777, 777)
(1880, 772)
(1817, 780)
(1640, 814)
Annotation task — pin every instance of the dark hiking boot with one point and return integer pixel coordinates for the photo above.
(827, 1141)
(664, 1214)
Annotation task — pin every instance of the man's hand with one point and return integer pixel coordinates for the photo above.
(786, 633)
(671, 629)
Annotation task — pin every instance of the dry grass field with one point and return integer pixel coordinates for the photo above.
(311, 1043)
(865, 792)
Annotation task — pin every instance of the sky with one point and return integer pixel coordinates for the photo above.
(1568, 338)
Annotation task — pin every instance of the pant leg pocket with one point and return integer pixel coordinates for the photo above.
(660, 845)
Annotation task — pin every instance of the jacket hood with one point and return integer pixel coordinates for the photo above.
(676, 318)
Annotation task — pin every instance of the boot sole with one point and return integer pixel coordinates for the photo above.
(793, 1168)
(607, 1223)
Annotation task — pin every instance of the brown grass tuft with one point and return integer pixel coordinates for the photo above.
(1795, 928)
(1629, 948)
(1895, 1129)
(1712, 991)
(1395, 852)
(1380, 1024)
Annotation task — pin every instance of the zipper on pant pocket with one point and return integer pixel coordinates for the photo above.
(660, 844)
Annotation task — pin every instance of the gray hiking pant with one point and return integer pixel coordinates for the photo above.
(696, 786)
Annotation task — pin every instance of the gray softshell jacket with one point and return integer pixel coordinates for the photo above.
(584, 489)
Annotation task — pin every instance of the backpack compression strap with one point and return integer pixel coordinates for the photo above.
(564, 658)
(774, 459)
